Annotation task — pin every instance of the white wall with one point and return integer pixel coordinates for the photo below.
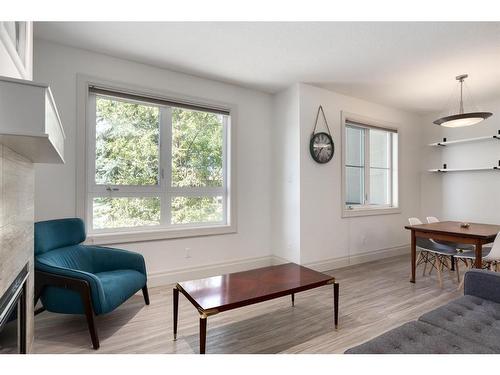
(286, 175)
(463, 196)
(327, 239)
(288, 205)
(58, 66)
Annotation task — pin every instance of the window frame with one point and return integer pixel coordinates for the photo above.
(371, 209)
(87, 189)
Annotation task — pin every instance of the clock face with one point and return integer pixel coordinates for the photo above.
(321, 147)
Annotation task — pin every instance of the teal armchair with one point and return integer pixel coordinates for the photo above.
(71, 278)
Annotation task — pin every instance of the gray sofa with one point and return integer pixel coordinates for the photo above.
(469, 324)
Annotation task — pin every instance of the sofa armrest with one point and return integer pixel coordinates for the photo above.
(110, 259)
(482, 284)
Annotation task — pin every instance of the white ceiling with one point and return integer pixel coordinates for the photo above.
(405, 65)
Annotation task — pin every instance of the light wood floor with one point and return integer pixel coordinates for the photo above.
(374, 298)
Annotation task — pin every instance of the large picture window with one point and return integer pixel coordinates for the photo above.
(370, 176)
(154, 164)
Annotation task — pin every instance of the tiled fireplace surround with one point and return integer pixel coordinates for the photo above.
(16, 226)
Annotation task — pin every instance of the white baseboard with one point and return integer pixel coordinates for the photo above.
(173, 276)
(192, 273)
(334, 263)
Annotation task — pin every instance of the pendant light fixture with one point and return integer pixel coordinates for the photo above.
(461, 118)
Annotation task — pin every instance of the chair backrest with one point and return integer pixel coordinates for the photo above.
(53, 234)
(414, 221)
(494, 253)
(432, 219)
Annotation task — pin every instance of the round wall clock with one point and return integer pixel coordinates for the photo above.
(321, 144)
(321, 147)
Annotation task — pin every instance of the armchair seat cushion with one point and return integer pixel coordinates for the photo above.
(119, 285)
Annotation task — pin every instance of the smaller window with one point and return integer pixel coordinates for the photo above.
(370, 175)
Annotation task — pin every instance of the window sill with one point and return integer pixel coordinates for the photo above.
(370, 211)
(157, 234)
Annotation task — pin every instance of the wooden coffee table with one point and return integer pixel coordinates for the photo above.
(216, 294)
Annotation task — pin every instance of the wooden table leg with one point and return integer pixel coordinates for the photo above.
(293, 299)
(413, 256)
(203, 333)
(176, 311)
(479, 255)
(336, 304)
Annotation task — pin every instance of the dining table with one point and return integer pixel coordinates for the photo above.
(453, 231)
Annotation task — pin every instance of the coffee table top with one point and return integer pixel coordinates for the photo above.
(226, 292)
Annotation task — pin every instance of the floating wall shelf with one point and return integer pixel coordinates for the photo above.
(444, 170)
(445, 142)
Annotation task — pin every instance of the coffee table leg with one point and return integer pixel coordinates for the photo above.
(336, 304)
(293, 299)
(176, 311)
(203, 333)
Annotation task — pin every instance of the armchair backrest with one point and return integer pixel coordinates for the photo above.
(53, 234)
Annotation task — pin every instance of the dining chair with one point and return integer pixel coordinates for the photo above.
(460, 246)
(432, 219)
(433, 253)
(490, 258)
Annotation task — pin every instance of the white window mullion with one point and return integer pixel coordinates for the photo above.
(91, 137)
(90, 158)
(367, 167)
(389, 172)
(225, 168)
(165, 165)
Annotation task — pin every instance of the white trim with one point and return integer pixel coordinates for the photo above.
(215, 269)
(367, 209)
(191, 273)
(142, 234)
(371, 210)
(370, 256)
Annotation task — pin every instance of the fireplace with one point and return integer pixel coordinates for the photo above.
(13, 322)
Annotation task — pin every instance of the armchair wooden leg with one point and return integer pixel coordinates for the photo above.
(145, 293)
(89, 314)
